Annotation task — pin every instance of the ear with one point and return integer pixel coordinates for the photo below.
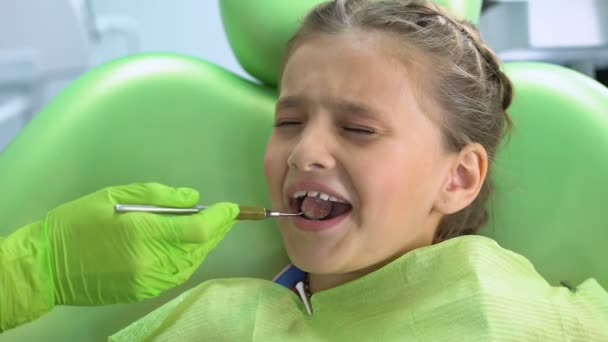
(464, 180)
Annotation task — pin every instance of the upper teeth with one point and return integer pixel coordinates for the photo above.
(321, 195)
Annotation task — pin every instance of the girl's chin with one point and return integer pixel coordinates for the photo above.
(312, 260)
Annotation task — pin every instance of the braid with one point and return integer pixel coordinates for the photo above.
(488, 56)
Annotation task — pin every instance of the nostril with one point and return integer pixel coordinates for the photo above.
(310, 160)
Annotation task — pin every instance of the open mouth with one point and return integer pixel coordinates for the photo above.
(317, 206)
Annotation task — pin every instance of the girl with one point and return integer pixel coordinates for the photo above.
(389, 117)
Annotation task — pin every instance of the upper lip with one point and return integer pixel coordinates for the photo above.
(313, 186)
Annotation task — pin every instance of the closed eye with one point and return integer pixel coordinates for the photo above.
(285, 123)
(359, 130)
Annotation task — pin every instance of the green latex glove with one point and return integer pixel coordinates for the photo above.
(84, 253)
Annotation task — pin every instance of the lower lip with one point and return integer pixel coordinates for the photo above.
(311, 225)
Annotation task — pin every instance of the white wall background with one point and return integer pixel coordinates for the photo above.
(190, 27)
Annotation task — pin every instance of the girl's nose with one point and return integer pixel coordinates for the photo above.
(311, 152)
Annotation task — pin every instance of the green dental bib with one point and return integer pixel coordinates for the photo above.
(467, 288)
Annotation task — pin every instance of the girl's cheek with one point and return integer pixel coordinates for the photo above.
(275, 164)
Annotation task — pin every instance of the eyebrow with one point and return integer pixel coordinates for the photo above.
(290, 102)
(342, 106)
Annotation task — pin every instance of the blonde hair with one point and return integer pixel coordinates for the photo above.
(472, 91)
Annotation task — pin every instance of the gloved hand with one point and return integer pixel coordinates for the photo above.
(84, 253)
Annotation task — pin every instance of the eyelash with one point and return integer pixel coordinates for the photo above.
(286, 123)
(360, 130)
(349, 129)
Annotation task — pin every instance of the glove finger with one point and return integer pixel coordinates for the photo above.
(154, 194)
(209, 225)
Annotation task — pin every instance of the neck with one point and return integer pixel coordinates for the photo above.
(321, 282)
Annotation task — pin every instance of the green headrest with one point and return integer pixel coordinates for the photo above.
(258, 30)
(552, 175)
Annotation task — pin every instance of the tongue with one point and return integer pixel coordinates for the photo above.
(315, 208)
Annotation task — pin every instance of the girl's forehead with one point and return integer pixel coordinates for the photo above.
(339, 59)
(350, 66)
(356, 54)
(363, 88)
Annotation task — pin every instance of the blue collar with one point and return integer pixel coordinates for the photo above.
(290, 276)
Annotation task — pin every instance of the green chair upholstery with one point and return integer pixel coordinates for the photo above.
(258, 30)
(163, 118)
(552, 174)
(185, 122)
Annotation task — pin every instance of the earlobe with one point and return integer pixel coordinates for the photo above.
(465, 179)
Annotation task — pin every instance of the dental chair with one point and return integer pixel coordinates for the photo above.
(184, 122)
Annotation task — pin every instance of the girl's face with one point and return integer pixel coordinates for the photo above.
(349, 124)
